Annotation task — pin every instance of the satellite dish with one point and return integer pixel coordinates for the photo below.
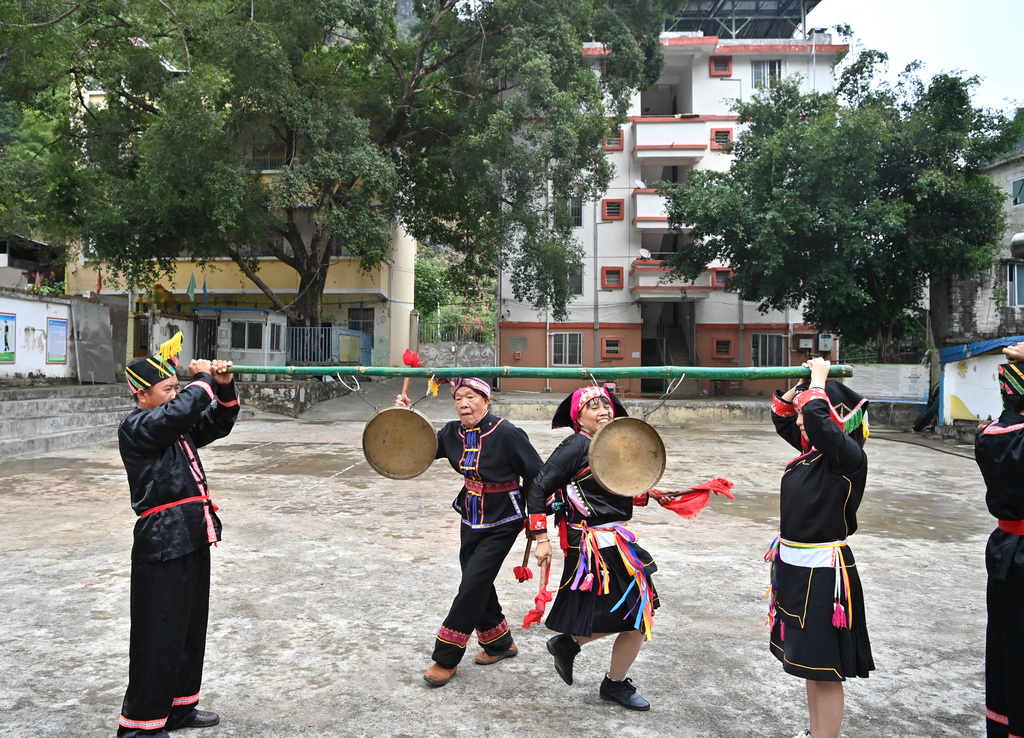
(645, 254)
(640, 184)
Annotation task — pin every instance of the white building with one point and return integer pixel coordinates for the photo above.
(624, 314)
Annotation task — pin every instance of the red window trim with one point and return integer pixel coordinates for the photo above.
(715, 284)
(620, 147)
(604, 209)
(711, 66)
(604, 348)
(732, 347)
(715, 146)
(606, 285)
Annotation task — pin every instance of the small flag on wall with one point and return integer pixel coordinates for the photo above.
(206, 295)
(192, 288)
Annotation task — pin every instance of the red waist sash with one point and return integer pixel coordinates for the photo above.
(1012, 526)
(160, 508)
(478, 487)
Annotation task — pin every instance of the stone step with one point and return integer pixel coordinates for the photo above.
(30, 427)
(57, 405)
(64, 390)
(55, 442)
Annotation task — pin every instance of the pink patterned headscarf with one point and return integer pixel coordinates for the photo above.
(473, 383)
(581, 397)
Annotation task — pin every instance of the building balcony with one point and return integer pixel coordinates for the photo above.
(679, 140)
(647, 283)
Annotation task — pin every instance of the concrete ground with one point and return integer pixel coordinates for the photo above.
(331, 581)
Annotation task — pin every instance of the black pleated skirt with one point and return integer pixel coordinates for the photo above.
(584, 613)
(804, 638)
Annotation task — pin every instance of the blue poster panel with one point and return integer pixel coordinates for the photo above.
(8, 338)
(56, 341)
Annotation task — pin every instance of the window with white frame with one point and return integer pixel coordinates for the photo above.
(1014, 284)
(768, 349)
(246, 335)
(576, 211)
(567, 349)
(576, 282)
(765, 72)
(1017, 188)
(276, 331)
(575, 207)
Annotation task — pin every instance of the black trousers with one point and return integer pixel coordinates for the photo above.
(476, 605)
(170, 603)
(1004, 656)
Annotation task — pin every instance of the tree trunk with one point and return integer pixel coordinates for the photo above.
(309, 303)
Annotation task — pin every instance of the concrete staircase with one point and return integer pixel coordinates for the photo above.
(36, 420)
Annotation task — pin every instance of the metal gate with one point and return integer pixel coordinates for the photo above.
(206, 338)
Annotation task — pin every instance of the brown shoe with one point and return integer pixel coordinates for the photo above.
(204, 719)
(486, 659)
(438, 676)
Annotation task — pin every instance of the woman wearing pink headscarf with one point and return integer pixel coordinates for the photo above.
(497, 461)
(606, 586)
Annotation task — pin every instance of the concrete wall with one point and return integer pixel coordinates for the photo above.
(28, 330)
(291, 398)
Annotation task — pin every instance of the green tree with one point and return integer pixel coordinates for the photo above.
(463, 127)
(847, 203)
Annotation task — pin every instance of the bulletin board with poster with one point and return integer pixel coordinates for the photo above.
(56, 341)
(8, 338)
(891, 382)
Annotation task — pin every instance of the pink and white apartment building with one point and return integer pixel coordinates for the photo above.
(624, 313)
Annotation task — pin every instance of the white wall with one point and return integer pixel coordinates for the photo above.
(970, 389)
(29, 336)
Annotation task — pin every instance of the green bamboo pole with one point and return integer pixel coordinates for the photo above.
(539, 372)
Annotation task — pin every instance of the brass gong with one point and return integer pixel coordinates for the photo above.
(627, 456)
(399, 443)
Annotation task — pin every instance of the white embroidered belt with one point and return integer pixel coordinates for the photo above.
(809, 555)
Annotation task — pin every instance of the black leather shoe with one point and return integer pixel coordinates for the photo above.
(564, 648)
(624, 693)
(204, 719)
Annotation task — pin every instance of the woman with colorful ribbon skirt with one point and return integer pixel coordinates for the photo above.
(606, 586)
(816, 614)
(177, 525)
(497, 462)
(999, 450)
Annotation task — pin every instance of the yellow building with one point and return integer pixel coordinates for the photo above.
(219, 309)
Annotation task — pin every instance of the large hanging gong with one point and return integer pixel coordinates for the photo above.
(399, 443)
(627, 456)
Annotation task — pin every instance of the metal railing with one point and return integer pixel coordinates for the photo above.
(456, 333)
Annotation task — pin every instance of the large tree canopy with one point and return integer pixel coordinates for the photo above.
(471, 124)
(846, 203)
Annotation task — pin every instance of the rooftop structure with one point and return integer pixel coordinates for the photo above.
(744, 18)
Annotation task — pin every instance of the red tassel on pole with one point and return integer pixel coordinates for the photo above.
(523, 572)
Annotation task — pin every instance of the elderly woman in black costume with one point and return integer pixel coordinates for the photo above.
(496, 461)
(606, 586)
(817, 608)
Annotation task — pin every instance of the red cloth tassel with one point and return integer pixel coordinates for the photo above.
(839, 616)
(696, 498)
(411, 358)
(540, 602)
(523, 573)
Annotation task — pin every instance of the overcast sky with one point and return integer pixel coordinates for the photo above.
(980, 37)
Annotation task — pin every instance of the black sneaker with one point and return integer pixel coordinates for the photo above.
(624, 693)
(564, 648)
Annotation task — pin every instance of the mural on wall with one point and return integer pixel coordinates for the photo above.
(7, 338)
(56, 341)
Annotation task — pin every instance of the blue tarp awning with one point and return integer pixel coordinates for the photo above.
(967, 350)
